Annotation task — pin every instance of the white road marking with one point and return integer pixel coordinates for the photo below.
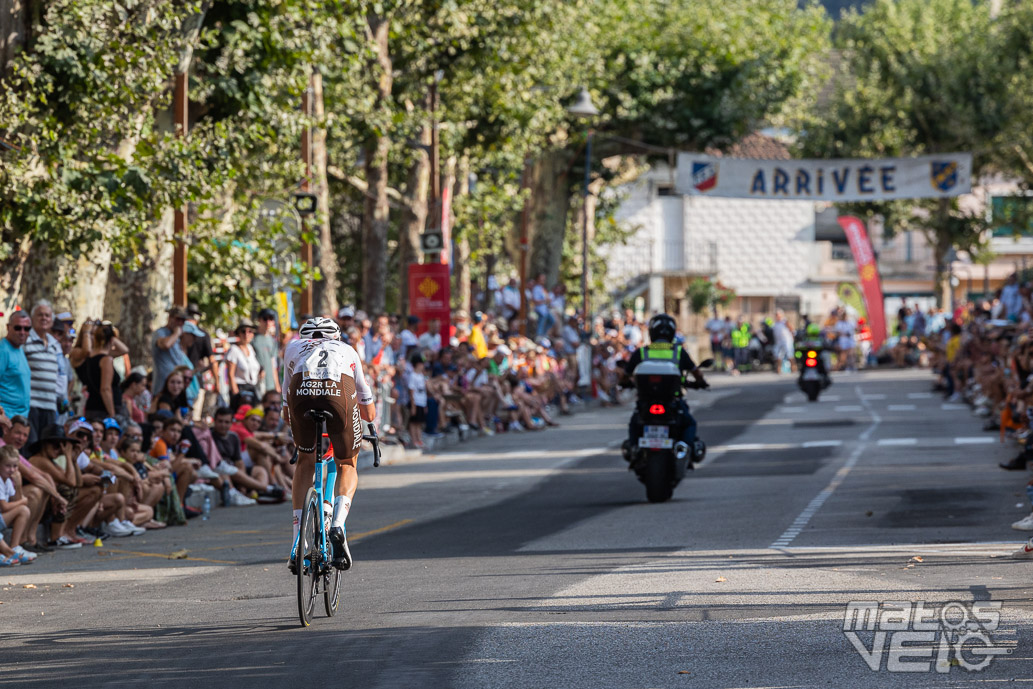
(849, 408)
(919, 395)
(901, 407)
(792, 410)
(822, 443)
(897, 441)
(805, 517)
(985, 440)
(954, 407)
(878, 396)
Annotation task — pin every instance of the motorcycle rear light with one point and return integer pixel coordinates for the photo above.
(657, 410)
(811, 363)
(812, 354)
(655, 379)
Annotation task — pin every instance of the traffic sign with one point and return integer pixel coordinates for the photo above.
(431, 242)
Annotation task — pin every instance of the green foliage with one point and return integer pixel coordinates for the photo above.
(927, 76)
(704, 295)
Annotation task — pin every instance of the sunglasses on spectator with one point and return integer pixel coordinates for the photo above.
(21, 328)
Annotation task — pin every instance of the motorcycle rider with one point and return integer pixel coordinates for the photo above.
(662, 347)
(815, 341)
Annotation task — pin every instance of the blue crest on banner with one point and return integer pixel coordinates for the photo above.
(943, 174)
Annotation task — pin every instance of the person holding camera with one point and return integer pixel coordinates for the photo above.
(97, 370)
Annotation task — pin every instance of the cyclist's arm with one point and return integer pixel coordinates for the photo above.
(367, 410)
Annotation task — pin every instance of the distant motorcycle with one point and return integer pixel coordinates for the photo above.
(660, 459)
(813, 376)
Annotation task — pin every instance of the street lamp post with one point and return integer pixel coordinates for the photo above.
(584, 108)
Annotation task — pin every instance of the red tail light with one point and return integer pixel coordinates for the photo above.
(655, 379)
(657, 410)
(811, 363)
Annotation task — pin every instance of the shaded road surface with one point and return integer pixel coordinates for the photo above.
(531, 560)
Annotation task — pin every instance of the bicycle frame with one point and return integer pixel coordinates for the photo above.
(325, 488)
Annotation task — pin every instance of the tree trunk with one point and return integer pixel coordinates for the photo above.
(76, 284)
(942, 242)
(376, 221)
(461, 237)
(550, 205)
(325, 290)
(17, 17)
(12, 271)
(138, 298)
(414, 216)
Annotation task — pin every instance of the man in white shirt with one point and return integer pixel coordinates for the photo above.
(432, 338)
(42, 351)
(408, 336)
(541, 298)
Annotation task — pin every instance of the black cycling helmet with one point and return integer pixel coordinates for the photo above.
(662, 328)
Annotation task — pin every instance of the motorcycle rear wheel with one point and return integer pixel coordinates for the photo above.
(658, 476)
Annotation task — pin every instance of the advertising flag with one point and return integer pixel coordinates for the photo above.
(868, 272)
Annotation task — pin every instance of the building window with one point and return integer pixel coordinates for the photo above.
(664, 190)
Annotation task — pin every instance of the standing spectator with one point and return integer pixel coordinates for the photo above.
(432, 338)
(201, 354)
(165, 348)
(346, 318)
(243, 368)
(42, 351)
(15, 374)
(65, 336)
(784, 344)
(846, 344)
(417, 401)
(540, 298)
(408, 337)
(267, 348)
(1011, 298)
(511, 301)
(98, 375)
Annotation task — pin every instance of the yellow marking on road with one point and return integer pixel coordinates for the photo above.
(164, 556)
(389, 527)
(353, 538)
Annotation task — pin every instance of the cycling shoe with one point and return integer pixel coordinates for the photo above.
(342, 555)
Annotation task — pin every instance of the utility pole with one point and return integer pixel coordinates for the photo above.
(525, 182)
(180, 106)
(435, 171)
(306, 184)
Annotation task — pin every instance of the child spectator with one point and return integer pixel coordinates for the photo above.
(417, 401)
(14, 507)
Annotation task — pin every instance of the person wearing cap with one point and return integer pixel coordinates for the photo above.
(408, 337)
(53, 454)
(243, 370)
(65, 336)
(201, 353)
(42, 351)
(166, 351)
(258, 447)
(267, 349)
(345, 318)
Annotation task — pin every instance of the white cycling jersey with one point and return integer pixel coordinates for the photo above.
(324, 359)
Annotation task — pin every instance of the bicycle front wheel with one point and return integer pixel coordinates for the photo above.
(309, 557)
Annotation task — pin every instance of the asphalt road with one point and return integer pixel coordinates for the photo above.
(533, 560)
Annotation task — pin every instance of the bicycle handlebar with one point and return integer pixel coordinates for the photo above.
(374, 440)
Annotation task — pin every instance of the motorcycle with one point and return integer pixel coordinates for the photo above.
(813, 377)
(660, 459)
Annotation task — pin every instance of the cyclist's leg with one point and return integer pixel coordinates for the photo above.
(345, 431)
(304, 432)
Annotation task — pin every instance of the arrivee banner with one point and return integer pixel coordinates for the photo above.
(429, 295)
(877, 179)
(868, 272)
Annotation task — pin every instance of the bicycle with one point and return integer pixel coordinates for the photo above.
(312, 550)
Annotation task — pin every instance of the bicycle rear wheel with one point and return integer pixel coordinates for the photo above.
(309, 558)
(332, 591)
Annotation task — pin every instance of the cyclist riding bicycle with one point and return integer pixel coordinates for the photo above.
(323, 373)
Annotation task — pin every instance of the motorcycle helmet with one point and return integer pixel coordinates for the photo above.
(662, 328)
(320, 327)
(813, 330)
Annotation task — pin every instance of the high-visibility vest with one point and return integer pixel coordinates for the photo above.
(662, 351)
(741, 337)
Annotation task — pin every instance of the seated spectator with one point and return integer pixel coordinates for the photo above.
(38, 488)
(55, 454)
(260, 448)
(173, 395)
(157, 483)
(14, 509)
(134, 385)
(170, 449)
(254, 479)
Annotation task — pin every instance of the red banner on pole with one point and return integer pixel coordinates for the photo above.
(446, 227)
(868, 271)
(429, 296)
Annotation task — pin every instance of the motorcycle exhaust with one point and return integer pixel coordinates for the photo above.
(681, 450)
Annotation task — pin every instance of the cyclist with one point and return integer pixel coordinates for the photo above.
(323, 373)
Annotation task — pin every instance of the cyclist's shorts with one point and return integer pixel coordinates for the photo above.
(335, 396)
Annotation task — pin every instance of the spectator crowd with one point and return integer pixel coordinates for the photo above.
(96, 445)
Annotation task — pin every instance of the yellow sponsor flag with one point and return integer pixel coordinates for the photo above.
(851, 296)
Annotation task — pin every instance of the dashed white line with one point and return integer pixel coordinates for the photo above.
(975, 441)
(822, 443)
(876, 396)
(805, 517)
(954, 407)
(849, 408)
(901, 407)
(919, 395)
(792, 410)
